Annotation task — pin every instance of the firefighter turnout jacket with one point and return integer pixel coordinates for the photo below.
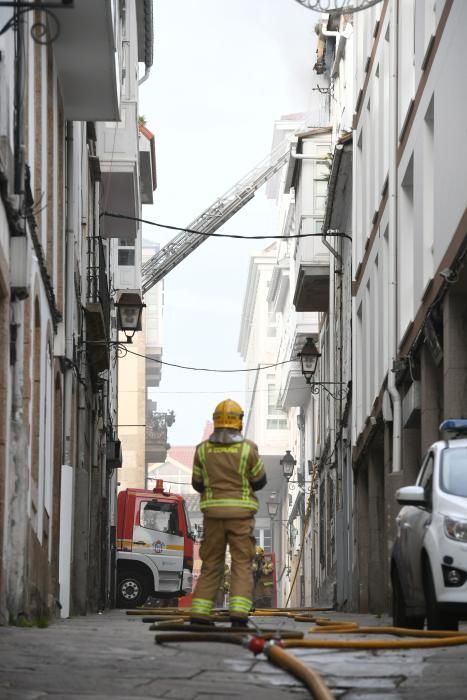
(226, 474)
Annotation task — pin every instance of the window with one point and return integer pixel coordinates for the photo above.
(276, 424)
(320, 195)
(263, 538)
(426, 477)
(272, 325)
(454, 472)
(276, 417)
(126, 256)
(159, 516)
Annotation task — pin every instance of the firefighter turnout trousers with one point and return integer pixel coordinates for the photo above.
(238, 534)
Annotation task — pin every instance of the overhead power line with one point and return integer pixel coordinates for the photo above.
(203, 369)
(221, 235)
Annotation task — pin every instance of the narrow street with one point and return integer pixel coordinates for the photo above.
(233, 333)
(113, 655)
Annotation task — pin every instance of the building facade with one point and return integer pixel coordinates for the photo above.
(409, 244)
(63, 76)
(380, 287)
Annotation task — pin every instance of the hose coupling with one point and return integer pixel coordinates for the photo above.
(256, 645)
(272, 643)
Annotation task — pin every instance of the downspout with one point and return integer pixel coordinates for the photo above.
(149, 40)
(145, 76)
(69, 276)
(393, 250)
(325, 32)
(338, 151)
(18, 106)
(67, 475)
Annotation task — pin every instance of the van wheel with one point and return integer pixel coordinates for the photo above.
(399, 610)
(436, 620)
(132, 589)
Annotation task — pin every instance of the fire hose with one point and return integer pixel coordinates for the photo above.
(275, 646)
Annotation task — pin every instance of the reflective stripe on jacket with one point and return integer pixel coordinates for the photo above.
(226, 472)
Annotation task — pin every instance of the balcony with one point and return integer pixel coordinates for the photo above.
(312, 288)
(156, 437)
(97, 308)
(293, 390)
(119, 154)
(87, 61)
(153, 367)
(312, 269)
(279, 287)
(147, 164)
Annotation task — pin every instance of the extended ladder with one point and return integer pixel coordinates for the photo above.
(212, 218)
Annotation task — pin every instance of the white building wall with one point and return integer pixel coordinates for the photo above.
(260, 335)
(430, 190)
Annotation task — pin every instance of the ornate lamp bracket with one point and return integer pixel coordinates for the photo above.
(337, 390)
(337, 6)
(44, 31)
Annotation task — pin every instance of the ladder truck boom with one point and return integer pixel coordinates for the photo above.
(184, 243)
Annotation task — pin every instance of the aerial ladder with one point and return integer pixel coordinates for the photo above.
(184, 243)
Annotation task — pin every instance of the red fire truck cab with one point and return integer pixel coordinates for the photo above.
(154, 546)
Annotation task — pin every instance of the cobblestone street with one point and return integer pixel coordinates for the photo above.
(114, 656)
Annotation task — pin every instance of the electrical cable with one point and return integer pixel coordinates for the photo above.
(206, 369)
(339, 234)
(227, 391)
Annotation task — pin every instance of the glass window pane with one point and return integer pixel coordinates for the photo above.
(454, 471)
(126, 256)
(159, 516)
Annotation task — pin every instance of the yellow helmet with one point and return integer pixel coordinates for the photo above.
(228, 414)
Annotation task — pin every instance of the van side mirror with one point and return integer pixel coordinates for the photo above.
(411, 496)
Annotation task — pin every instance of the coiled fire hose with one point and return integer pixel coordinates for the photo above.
(274, 646)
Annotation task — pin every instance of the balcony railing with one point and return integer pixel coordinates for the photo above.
(97, 305)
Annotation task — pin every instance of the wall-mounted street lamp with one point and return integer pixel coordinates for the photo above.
(273, 507)
(309, 357)
(288, 464)
(129, 309)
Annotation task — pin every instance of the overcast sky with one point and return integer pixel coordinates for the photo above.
(224, 71)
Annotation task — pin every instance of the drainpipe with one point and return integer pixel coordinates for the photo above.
(324, 31)
(149, 39)
(392, 203)
(332, 349)
(145, 76)
(67, 476)
(338, 151)
(67, 452)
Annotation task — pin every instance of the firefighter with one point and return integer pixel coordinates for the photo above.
(226, 471)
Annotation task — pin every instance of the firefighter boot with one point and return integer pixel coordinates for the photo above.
(239, 622)
(201, 621)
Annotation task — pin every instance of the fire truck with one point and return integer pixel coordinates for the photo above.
(154, 546)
